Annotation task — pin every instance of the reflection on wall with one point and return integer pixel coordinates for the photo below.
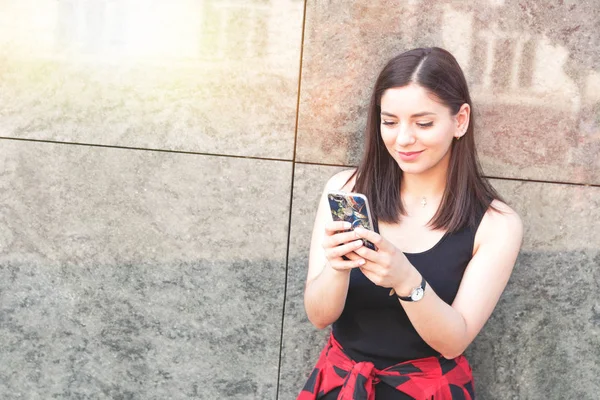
(534, 78)
(185, 29)
(525, 78)
(503, 65)
(229, 29)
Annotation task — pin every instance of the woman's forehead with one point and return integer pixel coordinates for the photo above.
(410, 99)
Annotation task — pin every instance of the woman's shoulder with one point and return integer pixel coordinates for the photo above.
(343, 180)
(500, 223)
(500, 211)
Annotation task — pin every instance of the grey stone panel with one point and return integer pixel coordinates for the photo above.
(217, 77)
(532, 70)
(542, 340)
(139, 275)
(302, 342)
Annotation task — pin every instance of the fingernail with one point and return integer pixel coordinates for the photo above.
(361, 262)
(358, 242)
(347, 225)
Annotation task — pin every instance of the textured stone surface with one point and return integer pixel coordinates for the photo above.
(302, 342)
(543, 339)
(209, 76)
(139, 275)
(533, 71)
(146, 275)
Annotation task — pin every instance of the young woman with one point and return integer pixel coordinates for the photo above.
(446, 245)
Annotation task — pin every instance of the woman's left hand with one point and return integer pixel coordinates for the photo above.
(387, 267)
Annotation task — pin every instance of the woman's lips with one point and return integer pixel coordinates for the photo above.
(409, 155)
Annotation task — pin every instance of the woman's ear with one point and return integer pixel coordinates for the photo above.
(462, 120)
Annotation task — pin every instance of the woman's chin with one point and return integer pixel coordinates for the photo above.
(411, 168)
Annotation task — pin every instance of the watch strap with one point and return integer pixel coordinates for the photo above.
(409, 298)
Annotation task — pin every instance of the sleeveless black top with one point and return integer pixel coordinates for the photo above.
(374, 327)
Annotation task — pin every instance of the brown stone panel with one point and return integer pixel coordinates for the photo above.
(533, 71)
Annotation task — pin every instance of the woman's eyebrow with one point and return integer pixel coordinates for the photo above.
(421, 114)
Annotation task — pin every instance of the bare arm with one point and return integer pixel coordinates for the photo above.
(449, 329)
(328, 274)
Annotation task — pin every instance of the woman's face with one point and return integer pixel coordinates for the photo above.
(418, 130)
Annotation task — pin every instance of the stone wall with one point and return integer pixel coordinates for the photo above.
(160, 165)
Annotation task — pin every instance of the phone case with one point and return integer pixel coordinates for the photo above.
(353, 208)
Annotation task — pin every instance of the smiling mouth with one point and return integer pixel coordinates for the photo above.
(410, 153)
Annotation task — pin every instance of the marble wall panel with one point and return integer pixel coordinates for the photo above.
(533, 69)
(204, 76)
(139, 275)
(302, 342)
(543, 338)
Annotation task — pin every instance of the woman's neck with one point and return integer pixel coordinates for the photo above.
(425, 188)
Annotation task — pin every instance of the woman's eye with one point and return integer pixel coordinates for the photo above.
(388, 122)
(425, 124)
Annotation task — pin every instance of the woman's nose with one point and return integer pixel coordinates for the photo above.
(405, 136)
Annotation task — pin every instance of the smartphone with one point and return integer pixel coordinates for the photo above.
(353, 208)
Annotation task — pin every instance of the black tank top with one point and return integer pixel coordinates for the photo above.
(374, 327)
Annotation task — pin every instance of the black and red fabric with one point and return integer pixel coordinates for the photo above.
(426, 378)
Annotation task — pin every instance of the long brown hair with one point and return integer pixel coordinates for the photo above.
(467, 194)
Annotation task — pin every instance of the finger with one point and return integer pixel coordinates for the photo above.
(353, 256)
(338, 251)
(371, 267)
(341, 265)
(374, 238)
(332, 227)
(339, 238)
(370, 255)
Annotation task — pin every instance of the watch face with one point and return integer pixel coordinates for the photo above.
(417, 294)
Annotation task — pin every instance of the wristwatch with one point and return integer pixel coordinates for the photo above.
(416, 294)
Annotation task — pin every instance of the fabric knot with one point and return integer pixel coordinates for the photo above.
(359, 382)
(364, 368)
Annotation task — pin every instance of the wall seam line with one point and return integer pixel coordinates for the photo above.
(287, 255)
(258, 158)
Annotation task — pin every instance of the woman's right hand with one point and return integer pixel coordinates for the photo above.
(340, 241)
(328, 276)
